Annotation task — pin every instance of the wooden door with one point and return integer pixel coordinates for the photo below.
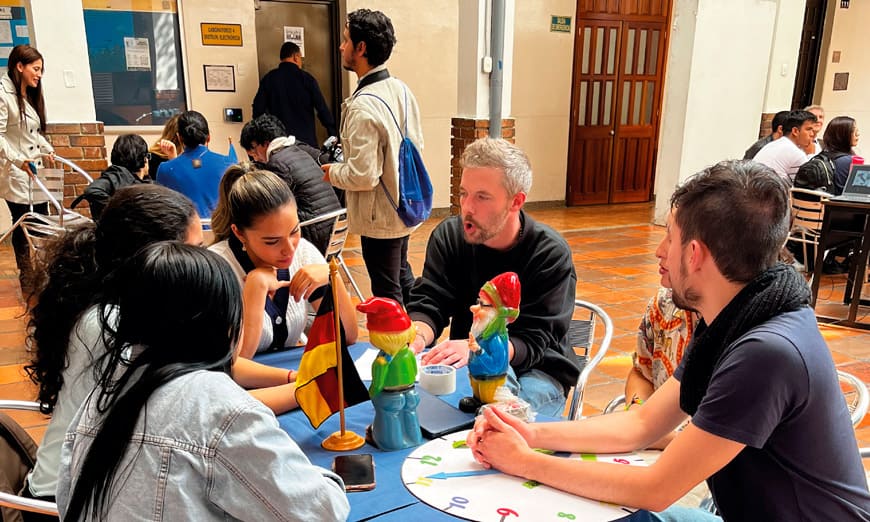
(808, 55)
(616, 97)
(636, 126)
(594, 108)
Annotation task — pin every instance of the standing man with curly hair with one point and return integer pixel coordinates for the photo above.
(371, 136)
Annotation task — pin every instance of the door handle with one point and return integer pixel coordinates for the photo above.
(612, 132)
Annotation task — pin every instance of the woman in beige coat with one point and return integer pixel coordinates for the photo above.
(22, 145)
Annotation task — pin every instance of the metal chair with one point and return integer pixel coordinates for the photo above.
(581, 335)
(16, 502)
(809, 214)
(856, 395)
(338, 236)
(38, 228)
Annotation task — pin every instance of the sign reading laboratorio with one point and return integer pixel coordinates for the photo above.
(560, 24)
(221, 34)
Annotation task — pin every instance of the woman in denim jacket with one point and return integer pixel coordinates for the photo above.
(167, 434)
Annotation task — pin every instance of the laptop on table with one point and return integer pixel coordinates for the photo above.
(857, 188)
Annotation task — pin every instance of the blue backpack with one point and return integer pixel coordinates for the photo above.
(415, 188)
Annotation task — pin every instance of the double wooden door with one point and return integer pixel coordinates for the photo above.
(616, 97)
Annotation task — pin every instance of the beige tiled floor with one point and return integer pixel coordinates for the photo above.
(613, 250)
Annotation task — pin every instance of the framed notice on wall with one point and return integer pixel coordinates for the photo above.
(220, 78)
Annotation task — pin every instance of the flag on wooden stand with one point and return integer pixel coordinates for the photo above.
(317, 381)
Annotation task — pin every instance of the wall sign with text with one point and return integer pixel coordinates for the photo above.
(221, 34)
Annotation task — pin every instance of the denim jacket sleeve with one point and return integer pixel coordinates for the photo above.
(259, 473)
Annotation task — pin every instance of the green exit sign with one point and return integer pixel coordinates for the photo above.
(560, 24)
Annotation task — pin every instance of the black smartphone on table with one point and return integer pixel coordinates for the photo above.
(357, 471)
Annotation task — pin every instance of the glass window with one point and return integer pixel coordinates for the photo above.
(134, 48)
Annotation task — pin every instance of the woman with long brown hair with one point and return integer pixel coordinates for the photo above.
(166, 147)
(22, 144)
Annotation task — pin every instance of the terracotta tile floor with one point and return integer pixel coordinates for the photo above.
(613, 252)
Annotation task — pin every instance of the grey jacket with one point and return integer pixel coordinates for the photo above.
(371, 141)
(206, 450)
(20, 140)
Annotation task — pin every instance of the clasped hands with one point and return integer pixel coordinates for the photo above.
(303, 283)
(501, 441)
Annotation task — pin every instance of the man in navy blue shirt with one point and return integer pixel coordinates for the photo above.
(293, 95)
(769, 430)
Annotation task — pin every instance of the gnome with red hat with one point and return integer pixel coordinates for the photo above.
(498, 305)
(393, 373)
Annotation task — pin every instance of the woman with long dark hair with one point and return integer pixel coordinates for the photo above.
(197, 171)
(256, 227)
(841, 137)
(22, 144)
(167, 434)
(65, 324)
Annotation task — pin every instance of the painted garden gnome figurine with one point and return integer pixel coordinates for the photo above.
(393, 373)
(498, 305)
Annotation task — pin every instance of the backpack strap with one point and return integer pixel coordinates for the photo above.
(402, 134)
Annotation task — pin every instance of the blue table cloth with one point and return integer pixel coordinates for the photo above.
(390, 498)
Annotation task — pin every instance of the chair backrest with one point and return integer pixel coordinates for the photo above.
(808, 210)
(17, 458)
(581, 336)
(338, 233)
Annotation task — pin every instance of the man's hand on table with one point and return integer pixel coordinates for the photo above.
(453, 352)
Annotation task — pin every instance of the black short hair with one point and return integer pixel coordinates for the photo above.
(376, 30)
(289, 49)
(193, 128)
(740, 210)
(779, 120)
(129, 152)
(796, 119)
(262, 129)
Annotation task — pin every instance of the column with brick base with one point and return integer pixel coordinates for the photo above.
(85, 145)
(463, 131)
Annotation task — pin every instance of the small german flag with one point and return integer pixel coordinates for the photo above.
(317, 381)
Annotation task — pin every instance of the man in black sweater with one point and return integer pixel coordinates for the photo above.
(493, 235)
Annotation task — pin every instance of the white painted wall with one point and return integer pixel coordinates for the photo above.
(543, 63)
(848, 35)
(728, 50)
(58, 31)
(784, 55)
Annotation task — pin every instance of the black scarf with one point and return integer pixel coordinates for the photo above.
(775, 291)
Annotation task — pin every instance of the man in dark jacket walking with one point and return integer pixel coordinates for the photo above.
(129, 166)
(266, 141)
(293, 95)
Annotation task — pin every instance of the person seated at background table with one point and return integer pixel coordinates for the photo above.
(130, 159)
(769, 428)
(841, 138)
(775, 134)
(787, 154)
(662, 338)
(167, 434)
(266, 141)
(166, 147)
(65, 324)
(257, 231)
(493, 235)
(196, 172)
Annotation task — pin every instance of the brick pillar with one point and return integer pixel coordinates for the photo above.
(766, 123)
(85, 145)
(463, 131)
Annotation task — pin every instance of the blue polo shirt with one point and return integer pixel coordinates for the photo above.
(197, 174)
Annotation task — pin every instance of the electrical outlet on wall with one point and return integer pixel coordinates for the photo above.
(69, 79)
